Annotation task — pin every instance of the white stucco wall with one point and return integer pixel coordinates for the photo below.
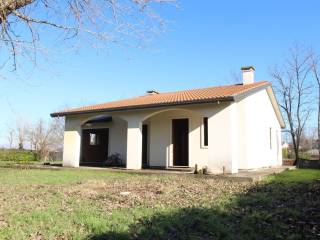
(134, 142)
(72, 138)
(72, 142)
(118, 138)
(160, 127)
(256, 118)
(223, 144)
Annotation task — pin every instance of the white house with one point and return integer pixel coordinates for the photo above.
(224, 128)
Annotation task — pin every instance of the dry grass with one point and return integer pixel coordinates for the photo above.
(155, 192)
(87, 204)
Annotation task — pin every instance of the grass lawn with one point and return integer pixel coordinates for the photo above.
(91, 204)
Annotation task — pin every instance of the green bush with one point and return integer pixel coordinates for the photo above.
(305, 155)
(18, 156)
(286, 154)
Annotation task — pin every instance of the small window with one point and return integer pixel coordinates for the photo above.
(205, 131)
(94, 139)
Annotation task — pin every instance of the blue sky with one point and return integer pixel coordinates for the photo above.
(205, 43)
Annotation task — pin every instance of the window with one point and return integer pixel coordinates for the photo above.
(205, 131)
(94, 140)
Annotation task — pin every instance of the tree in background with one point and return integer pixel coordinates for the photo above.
(46, 138)
(293, 88)
(21, 134)
(57, 124)
(316, 73)
(97, 22)
(10, 137)
(41, 137)
(17, 134)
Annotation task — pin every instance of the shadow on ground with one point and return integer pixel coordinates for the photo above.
(268, 211)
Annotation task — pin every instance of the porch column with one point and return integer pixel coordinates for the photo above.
(134, 144)
(72, 143)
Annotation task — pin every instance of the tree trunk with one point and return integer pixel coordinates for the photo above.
(295, 144)
(296, 157)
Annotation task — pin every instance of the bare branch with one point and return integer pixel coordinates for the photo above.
(294, 89)
(315, 59)
(99, 21)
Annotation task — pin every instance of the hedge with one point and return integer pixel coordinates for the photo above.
(18, 156)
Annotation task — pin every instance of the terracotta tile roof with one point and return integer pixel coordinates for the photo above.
(221, 93)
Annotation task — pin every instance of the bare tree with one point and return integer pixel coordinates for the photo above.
(21, 135)
(293, 89)
(57, 133)
(10, 137)
(45, 138)
(316, 73)
(307, 139)
(24, 22)
(31, 138)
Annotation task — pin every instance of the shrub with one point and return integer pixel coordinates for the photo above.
(18, 156)
(114, 160)
(305, 155)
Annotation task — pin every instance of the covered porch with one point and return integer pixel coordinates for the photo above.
(159, 138)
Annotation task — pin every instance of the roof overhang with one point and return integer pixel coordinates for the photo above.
(276, 107)
(139, 107)
(234, 98)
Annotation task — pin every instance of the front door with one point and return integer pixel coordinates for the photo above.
(94, 147)
(180, 141)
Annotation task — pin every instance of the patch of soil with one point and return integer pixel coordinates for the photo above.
(172, 191)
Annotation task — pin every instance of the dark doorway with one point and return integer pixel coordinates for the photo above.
(180, 141)
(145, 134)
(94, 147)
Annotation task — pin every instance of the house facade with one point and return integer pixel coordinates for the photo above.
(224, 129)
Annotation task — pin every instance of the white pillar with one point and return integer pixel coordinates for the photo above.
(134, 144)
(223, 140)
(72, 143)
(234, 138)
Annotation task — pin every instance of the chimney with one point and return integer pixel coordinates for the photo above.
(247, 75)
(152, 92)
